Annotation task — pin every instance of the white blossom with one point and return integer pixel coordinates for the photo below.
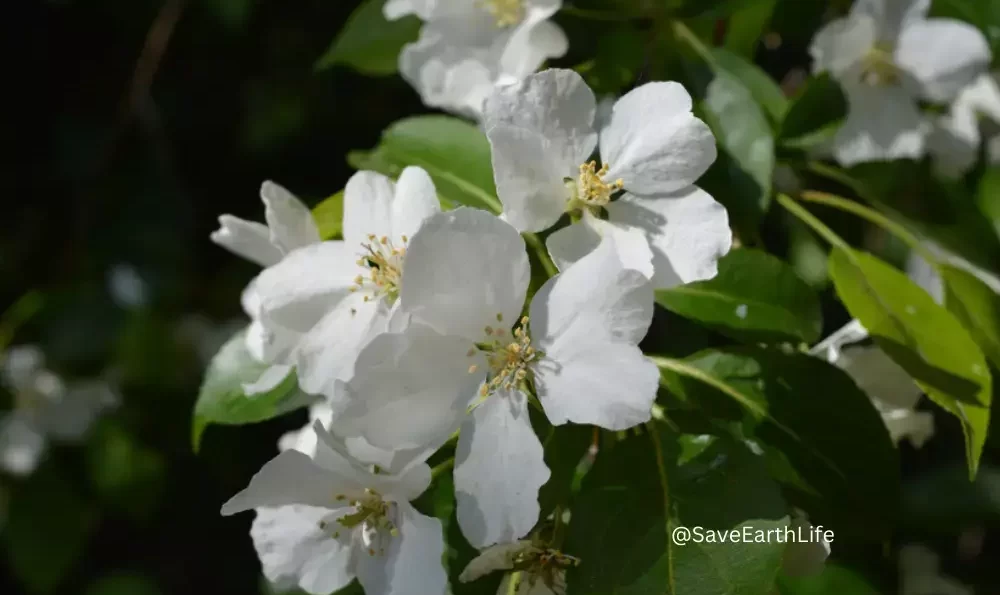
(887, 56)
(334, 296)
(955, 140)
(808, 557)
(890, 388)
(464, 290)
(290, 226)
(467, 47)
(535, 569)
(324, 520)
(543, 135)
(45, 408)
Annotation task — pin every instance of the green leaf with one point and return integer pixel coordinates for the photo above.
(329, 216)
(988, 196)
(713, 8)
(565, 448)
(741, 177)
(942, 498)
(922, 337)
(834, 580)
(755, 297)
(829, 432)
(369, 43)
(763, 88)
(746, 26)
(455, 153)
(47, 530)
(815, 115)
(123, 583)
(636, 493)
(222, 399)
(976, 306)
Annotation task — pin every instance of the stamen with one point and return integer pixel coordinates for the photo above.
(509, 360)
(372, 516)
(384, 262)
(592, 190)
(878, 68)
(506, 12)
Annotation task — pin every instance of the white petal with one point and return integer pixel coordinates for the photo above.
(915, 426)
(463, 268)
(942, 56)
(573, 242)
(248, 239)
(414, 202)
(21, 445)
(529, 178)
(409, 389)
(883, 123)
(653, 141)
(842, 43)
(447, 75)
(289, 221)
(497, 557)
(367, 208)
(530, 45)
(830, 348)
(891, 16)
(925, 275)
(499, 468)
(295, 552)
(293, 478)
(272, 377)
(879, 376)
(407, 481)
(688, 232)
(327, 352)
(395, 9)
(302, 288)
(70, 416)
(413, 561)
(806, 558)
(21, 365)
(954, 142)
(558, 106)
(595, 297)
(580, 380)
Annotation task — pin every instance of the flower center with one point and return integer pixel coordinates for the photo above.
(590, 190)
(383, 261)
(546, 565)
(506, 12)
(372, 516)
(508, 358)
(878, 68)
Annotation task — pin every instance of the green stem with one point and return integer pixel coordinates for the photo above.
(812, 221)
(682, 31)
(661, 469)
(17, 314)
(442, 467)
(856, 208)
(838, 175)
(543, 255)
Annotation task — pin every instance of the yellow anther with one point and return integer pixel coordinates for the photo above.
(471, 352)
(473, 368)
(405, 239)
(384, 262)
(592, 190)
(384, 240)
(508, 361)
(506, 12)
(499, 316)
(488, 330)
(878, 67)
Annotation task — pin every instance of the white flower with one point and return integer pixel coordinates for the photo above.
(955, 140)
(537, 570)
(920, 574)
(324, 520)
(887, 55)
(44, 408)
(926, 276)
(464, 290)
(335, 295)
(467, 47)
(290, 225)
(890, 388)
(543, 135)
(804, 558)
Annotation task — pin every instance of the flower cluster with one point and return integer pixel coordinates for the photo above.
(468, 47)
(419, 324)
(45, 408)
(888, 56)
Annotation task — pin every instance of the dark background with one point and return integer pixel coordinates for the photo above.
(124, 156)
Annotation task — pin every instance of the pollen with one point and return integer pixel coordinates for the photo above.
(878, 68)
(382, 261)
(373, 517)
(509, 360)
(507, 13)
(592, 189)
